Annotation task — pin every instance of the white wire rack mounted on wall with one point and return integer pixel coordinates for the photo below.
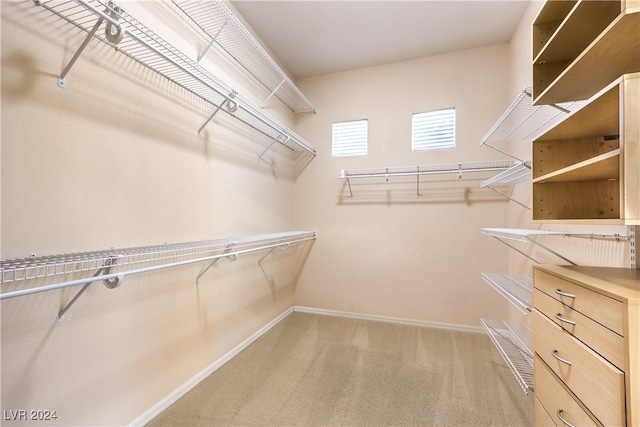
(111, 266)
(524, 235)
(517, 289)
(477, 170)
(523, 121)
(224, 29)
(112, 25)
(513, 342)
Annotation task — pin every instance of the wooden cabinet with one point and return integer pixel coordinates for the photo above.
(586, 339)
(579, 47)
(587, 168)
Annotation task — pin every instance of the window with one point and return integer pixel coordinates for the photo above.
(434, 130)
(349, 138)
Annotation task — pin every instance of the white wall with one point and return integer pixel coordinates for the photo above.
(113, 161)
(385, 251)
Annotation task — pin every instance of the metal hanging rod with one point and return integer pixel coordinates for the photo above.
(524, 235)
(132, 38)
(138, 259)
(460, 170)
(223, 28)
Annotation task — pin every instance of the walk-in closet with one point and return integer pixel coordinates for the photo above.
(319, 213)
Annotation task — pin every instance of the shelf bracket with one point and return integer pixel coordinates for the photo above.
(281, 246)
(503, 152)
(62, 78)
(418, 181)
(273, 92)
(206, 122)
(507, 196)
(110, 283)
(227, 249)
(213, 39)
(516, 249)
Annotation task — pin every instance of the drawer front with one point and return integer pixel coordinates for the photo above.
(556, 400)
(604, 310)
(542, 419)
(604, 341)
(597, 383)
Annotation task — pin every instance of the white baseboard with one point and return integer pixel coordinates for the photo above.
(156, 409)
(389, 319)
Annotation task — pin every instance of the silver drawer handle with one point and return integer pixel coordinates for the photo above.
(567, 423)
(562, 319)
(564, 294)
(554, 353)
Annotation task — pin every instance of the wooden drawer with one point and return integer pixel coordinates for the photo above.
(597, 383)
(604, 341)
(556, 399)
(604, 310)
(542, 419)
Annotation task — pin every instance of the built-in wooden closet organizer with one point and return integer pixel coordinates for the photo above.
(586, 170)
(588, 166)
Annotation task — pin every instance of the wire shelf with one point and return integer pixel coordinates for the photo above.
(166, 254)
(517, 289)
(523, 121)
(223, 28)
(462, 170)
(103, 19)
(517, 174)
(514, 349)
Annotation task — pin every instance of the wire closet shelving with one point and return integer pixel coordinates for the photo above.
(476, 170)
(513, 342)
(111, 266)
(531, 236)
(522, 122)
(110, 24)
(224, 29)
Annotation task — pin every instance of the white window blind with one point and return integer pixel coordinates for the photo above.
(434, 130)
(349, 138)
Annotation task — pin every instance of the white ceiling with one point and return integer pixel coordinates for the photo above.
(324, 36)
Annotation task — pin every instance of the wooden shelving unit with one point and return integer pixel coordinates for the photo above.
(580, 47)
(586, 169)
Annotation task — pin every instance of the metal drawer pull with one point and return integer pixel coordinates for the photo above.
(567, 423)
(562, 319)
(554, 353)
(564, 294)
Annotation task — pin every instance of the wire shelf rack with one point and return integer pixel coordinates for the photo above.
(461, 170)
(112, 25)
(520, 173)
(224, 29)
(151, 257)
(523, 121)
(513, 342)
(531, 236)
(517, 289)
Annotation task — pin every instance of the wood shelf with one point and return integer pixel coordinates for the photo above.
(586, 168)
(558, 76)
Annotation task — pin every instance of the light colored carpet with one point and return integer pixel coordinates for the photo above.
(314, 370)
